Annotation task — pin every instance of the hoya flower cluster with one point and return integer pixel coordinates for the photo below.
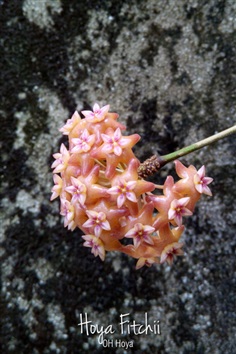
(102, 193)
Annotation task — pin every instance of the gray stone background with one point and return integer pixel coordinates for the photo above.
(168, 69)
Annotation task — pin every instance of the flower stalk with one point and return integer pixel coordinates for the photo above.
(152, 165)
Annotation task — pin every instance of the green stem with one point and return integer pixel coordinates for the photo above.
(154, 163)
(200, 144)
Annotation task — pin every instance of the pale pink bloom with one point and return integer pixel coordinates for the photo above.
(97, 221)
(124, 191)
(141, 233)
(67, 210)
(56, 189)
(114, 143)
(70, 123)
(62, 159)
(145, 261)
(84, 143)
(96, 244)
(178, 209)
(168, 253)
(77, 190)
(201, 181)
(97, 115)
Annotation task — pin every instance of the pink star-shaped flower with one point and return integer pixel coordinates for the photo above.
(56, 189)
(127, 187)
(123, 191)
(201, 182)
(114, 143)
(97, 115)
(77, 190)
(67, 210)
(62, 159)
(97, 221)
(115, 149)
(141, 233)
(178, 209)
(84, 143)
(162, 202)
(96, 244)
(185, 185)
(70, 124)
(168, 253)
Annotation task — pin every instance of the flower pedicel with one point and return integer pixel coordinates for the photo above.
(102, 193)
